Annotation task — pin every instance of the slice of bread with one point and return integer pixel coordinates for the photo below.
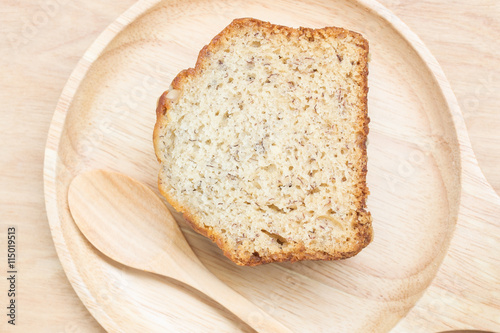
(263, 144)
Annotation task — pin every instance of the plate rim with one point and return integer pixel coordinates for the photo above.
(95, 50)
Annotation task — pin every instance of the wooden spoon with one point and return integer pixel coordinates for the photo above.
(129, 223)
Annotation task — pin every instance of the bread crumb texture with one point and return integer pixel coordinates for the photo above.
(263, 144)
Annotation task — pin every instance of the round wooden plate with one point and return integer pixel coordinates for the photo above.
(429, 200)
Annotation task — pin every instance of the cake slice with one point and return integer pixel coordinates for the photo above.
(263, 144)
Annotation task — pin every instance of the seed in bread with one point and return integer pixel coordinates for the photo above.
(263, 144)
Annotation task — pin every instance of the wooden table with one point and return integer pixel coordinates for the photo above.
(42, 42)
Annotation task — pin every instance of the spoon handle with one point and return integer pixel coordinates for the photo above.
(200, 278)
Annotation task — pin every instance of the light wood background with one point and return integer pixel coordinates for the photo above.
(43, 40)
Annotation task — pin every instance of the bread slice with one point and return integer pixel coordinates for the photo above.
(263, 144)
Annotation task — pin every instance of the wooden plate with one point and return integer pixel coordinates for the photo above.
(422, 174)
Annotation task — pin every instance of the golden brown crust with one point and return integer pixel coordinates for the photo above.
(297, 252)
(365, 231)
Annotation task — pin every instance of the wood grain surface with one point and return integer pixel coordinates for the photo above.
(42, 42)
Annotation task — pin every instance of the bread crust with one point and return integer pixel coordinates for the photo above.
(298, 252)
